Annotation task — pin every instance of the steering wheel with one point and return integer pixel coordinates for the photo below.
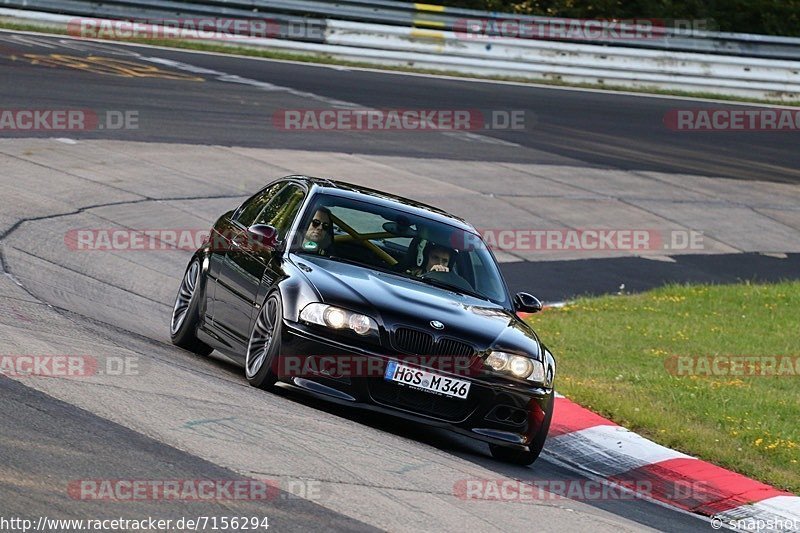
(450, 277)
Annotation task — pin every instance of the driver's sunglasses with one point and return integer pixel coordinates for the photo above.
(317, 222)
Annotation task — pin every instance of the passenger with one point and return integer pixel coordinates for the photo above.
(435, 258)
(319, 235)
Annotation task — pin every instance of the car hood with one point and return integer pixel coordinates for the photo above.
(396, 301)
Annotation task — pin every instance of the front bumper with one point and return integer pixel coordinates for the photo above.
(496, 411)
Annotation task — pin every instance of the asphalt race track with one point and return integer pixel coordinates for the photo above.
(567, 279)
(588, 128)
(204, 141)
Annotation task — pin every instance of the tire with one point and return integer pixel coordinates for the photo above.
(265, 344)
(523, 458)
(186, 313)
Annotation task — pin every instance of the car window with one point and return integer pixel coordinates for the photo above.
(397, 243)
(249, 210)
(392, 239)
(481, 276)
(367, 223)
(361, 221)
(281, 209)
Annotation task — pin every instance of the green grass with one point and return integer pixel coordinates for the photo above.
(611, 353)
(326, 59)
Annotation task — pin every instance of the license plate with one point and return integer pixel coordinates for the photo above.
(416, 378)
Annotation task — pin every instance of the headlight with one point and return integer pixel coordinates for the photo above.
(517, 365)
(497, 360)
(337, 318)
(538, 372)
(520, 366)
(361, 324)
(524, 367)
(334, 317)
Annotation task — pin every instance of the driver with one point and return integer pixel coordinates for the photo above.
(319, 234)
(436, 258)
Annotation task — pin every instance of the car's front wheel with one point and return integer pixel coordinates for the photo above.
(265, 344)
(525, 458)
(186, 311)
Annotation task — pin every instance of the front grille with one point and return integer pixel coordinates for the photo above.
(413, 341)
(393, 395)
(416, 342)
(454, 348)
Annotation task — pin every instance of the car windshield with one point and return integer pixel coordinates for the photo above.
(401, 242)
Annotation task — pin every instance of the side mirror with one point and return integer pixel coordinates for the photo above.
(261, 238)
(527, 303)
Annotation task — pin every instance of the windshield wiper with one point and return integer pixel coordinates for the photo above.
(450, 287)
(341, 259)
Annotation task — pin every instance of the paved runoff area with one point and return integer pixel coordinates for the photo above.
(526, 212)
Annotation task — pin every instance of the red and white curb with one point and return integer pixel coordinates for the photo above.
(590, 443)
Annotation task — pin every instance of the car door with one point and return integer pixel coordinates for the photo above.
(245, 264)
(227, 230)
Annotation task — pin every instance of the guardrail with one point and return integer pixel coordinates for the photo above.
(399, 41)
(681, 39)
(578, 63)
(686, 38)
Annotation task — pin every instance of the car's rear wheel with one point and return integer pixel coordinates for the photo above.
(265, 344)
(525, 458)
(186, 311)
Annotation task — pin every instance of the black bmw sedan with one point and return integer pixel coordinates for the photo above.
(363, 298)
